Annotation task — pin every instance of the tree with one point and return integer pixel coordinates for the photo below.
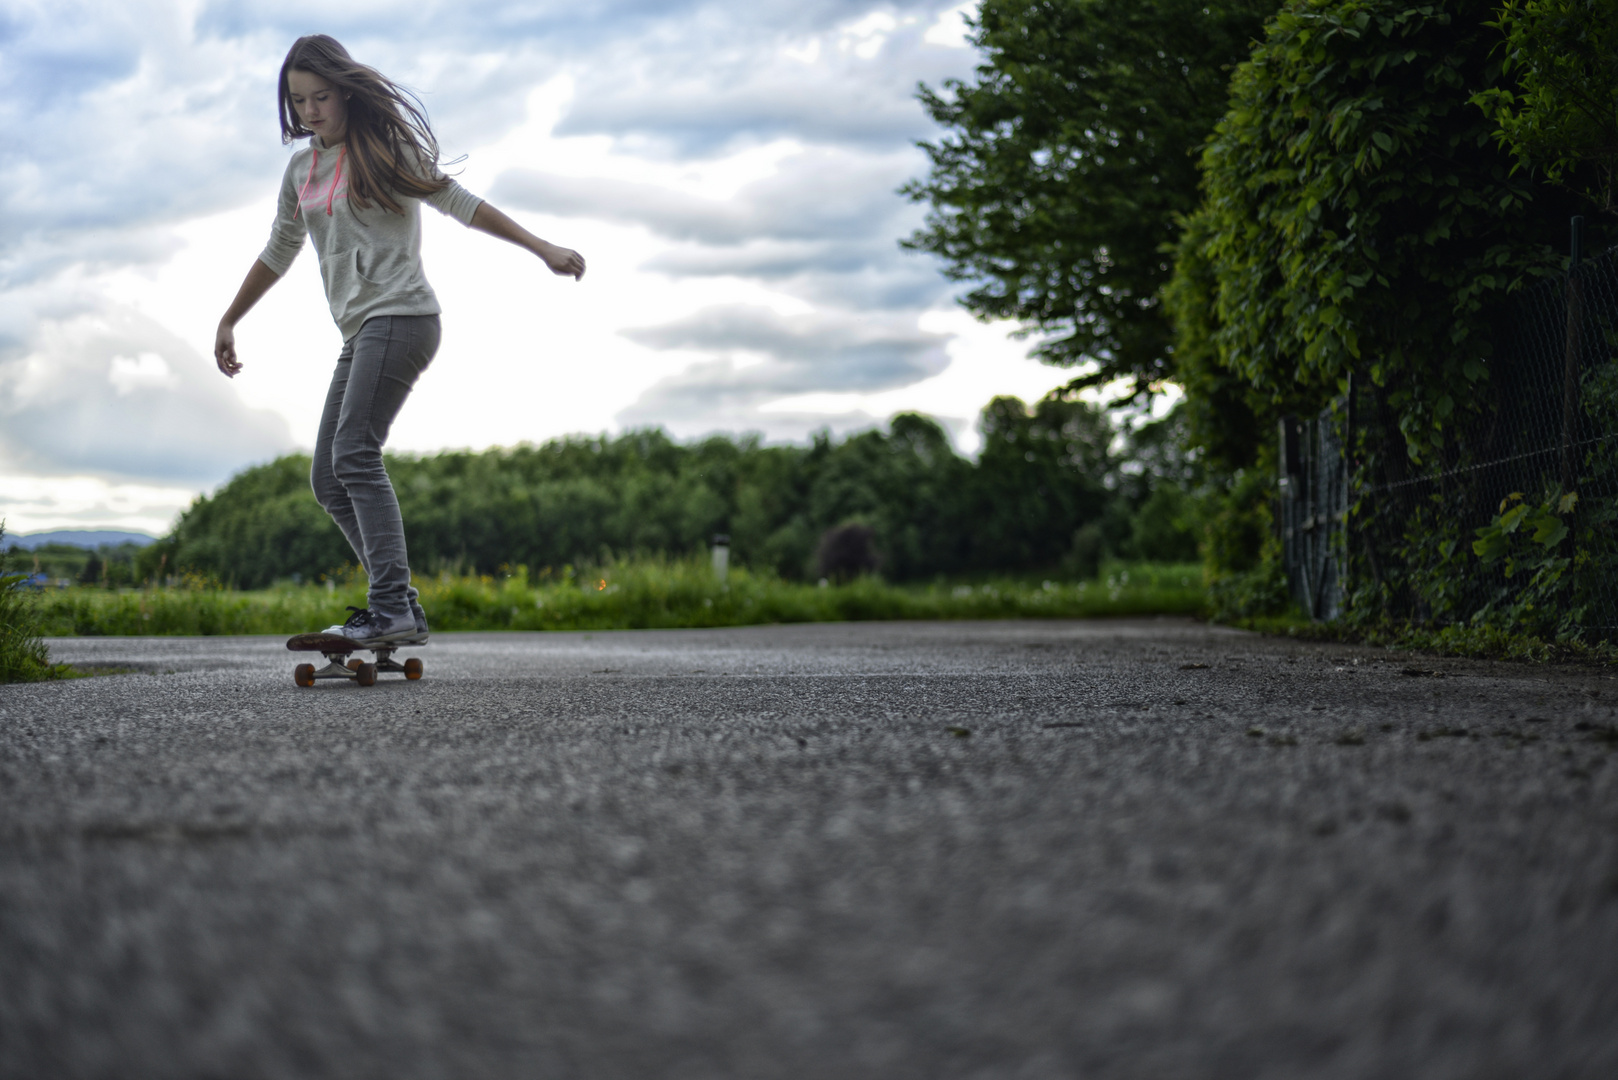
(1042, 474)
(1068, 162)
(1359, 217)
(1561, 118)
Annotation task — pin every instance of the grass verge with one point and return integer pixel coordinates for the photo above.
(1470, 642)
(647, 593)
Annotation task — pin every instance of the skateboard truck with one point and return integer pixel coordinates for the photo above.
(341, 664)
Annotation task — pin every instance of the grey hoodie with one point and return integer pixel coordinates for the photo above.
(370, 260)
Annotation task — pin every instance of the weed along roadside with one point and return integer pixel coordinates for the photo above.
(644, 594)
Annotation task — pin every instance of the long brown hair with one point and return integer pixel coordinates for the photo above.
(391, 148)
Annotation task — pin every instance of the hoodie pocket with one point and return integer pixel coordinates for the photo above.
(345, 285)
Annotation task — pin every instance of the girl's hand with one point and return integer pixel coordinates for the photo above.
(224, 349)
(257, 282)
(564, 262)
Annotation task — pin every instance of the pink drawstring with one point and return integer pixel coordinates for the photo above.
(331, 192)
(336, 176)
(314, 158)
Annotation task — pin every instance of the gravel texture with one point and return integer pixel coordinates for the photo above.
(1133, 848)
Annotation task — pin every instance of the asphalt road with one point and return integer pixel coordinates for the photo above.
(1141, 848)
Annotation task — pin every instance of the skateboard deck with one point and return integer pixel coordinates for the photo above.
(340, 664)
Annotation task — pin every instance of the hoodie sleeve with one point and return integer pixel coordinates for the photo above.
(286, 235)
(456, 202)
(451, 201)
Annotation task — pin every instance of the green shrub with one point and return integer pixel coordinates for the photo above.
(1560, 119)
(1359, 216)
(1241, 553)
(23, 657)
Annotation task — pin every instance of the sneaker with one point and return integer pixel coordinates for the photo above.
(337, 628)
(419, 637)
(421, 624)
(369, 627)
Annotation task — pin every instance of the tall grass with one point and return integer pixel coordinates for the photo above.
(23, 657)
(645, 593)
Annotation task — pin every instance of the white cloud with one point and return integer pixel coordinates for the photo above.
(108, 109)
(865, 37)
(951, 30)
(815, 350)
(729, 170)
(78, 403)
(32, 503)
(817, 194)
(748, 359)
(806, 53)
(977, 369)
(130, 373)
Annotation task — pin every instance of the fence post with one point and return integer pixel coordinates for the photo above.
(1289, 432)
(1575, 351)
(1346, 570)
(1294, 507)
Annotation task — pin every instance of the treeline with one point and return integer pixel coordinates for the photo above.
(1055, 488)
(110, 564)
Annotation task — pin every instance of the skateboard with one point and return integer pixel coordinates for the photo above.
(342, 665)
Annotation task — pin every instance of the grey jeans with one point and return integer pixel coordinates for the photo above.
(375, 373)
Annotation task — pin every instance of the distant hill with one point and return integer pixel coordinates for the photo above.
(84, 538)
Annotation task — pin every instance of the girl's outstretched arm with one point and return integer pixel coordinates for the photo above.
(254, 286)
(563, 262)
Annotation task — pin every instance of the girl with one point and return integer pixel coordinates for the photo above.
(357, 190)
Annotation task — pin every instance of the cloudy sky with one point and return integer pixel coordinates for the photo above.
(728, 169)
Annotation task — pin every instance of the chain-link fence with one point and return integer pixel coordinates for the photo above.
(1314, 505)
(1517, 525)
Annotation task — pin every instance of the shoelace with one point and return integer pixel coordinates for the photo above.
(361, 616)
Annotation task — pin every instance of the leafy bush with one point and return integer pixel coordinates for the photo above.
(1361, 227)
(1528, 539)
(846, 552)
(1561, 117)
(1242, 556)
(23, 657)
(1360, 218)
